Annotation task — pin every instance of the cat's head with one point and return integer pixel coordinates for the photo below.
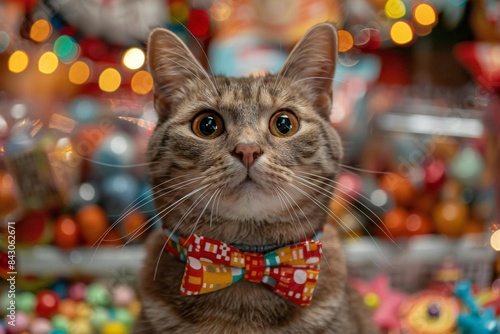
(245, 147)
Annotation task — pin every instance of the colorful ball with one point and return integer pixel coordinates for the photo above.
(467, 166)
(434, 174)
(114, 328)
(60, 322)
(77, 291)
(26, 301)
(85, 194)
(122, 315)
(67, 307)
(92, 223)
(40, 326)
(123, 295)
(99, 317)
(83, 311)
(117, 151)
(66, 232)
(61, 288)
(399, 187)
(349, 186)
(450, 218)
(80, 326)
(98, 295)
(134, 225)
(395, 223)
(8, 200)
(47, 303)
(118, 192)
(418, 223)
(22, 323)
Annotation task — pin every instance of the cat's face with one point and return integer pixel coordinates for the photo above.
(240, 144)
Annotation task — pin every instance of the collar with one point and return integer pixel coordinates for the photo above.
(175, 244)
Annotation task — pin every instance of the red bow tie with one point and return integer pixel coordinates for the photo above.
(291, 271)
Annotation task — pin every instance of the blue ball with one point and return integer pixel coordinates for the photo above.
(115, 155)
(118, 192)
(84, 110)
(60, 288)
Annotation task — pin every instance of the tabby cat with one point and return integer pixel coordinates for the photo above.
(249, 162)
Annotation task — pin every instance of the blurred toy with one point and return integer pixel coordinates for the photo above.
(66, 233)
(8, 200)
(429, 313)
(92, 222)
(114, 154)
(34, 228)
(477, 321)
(382, 300)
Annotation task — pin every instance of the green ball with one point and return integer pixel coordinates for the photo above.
(99, 317)
(122, 315)
(26, 302)
(98, 295)
(467, 166)
(61, 322)
(4, 303)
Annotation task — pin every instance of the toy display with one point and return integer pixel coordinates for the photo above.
(416, 104)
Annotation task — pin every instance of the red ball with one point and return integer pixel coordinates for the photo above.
(418, 223)
(47, 303)
(395, 223)
(66, 234)
(435, 174)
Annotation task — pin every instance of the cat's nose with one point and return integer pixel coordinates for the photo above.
(247, 153)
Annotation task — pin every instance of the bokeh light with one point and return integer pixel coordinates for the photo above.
(109, 80)
(40, 30)
(220, 11)
(142, 83)
(48, 63)
(346, 41)
(66, 48)
(198, 23)
(401, 33)
(18, 61)
(133, 58)
(495, 240)
(4, 41)
(395, 9)
(79, 72)
(179, 11)
(424, 14)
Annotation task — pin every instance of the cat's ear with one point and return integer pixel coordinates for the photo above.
(172, 65)
(312, 63)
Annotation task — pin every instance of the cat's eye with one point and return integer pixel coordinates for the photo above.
(208, 125)
(284, 124)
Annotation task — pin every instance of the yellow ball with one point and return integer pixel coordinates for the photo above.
(114, 328)
(80, 326)
(372, 300)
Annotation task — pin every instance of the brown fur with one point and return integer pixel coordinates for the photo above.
(203, 188)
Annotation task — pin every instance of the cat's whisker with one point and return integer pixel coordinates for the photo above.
(203, 211)
(362, 170)
(364, 227)
(218, 202)
(358, 201)
(217, 197)
(296, 225)
(158, 193)
(163, 213)
(190, 209)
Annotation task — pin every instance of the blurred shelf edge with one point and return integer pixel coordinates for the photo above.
(432, 250)
(50, 260)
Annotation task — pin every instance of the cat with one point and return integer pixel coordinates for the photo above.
(248, 162)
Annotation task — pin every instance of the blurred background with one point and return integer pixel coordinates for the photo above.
(415, 101)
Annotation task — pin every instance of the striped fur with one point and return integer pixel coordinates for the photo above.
(271, 208)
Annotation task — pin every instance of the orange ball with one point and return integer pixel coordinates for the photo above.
(395, 223)
(66, 234)
(8, 201)
(134, 224)
(450, 218)
(92, 222)
(112, 238)
(418, 223)
(67, 308)
(399, 187)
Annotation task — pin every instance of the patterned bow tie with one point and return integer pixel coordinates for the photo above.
(291, 271)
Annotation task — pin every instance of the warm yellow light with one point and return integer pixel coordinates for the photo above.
(79, 73)
(495, 240)
(109, 80)
(179, 11)
(220, 11)
(18, 61)
(134, 58)
(401, 33)
(424, 14)
(48, 63)
(345, 40)
(142, 82)
(395, 9)
(40, 30)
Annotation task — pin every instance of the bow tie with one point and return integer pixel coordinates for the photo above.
(291, 271)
